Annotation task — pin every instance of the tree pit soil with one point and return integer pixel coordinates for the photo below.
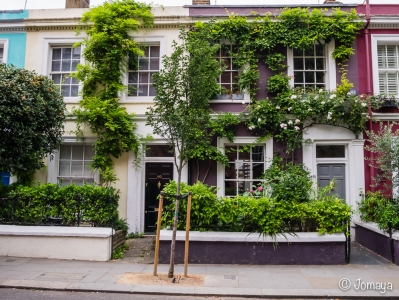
(161, 279)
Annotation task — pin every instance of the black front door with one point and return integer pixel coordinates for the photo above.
(156, 176)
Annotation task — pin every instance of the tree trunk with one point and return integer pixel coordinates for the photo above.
(173, 244)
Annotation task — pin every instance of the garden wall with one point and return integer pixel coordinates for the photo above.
(306, 248)
(80, 243)
(369, 235)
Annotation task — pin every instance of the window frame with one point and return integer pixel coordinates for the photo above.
(151, 40)
(241, 140)
(376, 40)
(49, 44)
(235, 98)
(54, 162)
(63, 73)
(4, 45)
(330, 67)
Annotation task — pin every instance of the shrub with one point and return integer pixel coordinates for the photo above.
(375, 207)
(264, 215)
(50, 202)
(203, 204)
(288, 181)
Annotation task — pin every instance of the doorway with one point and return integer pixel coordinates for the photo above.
(328, 172)
(156, 176)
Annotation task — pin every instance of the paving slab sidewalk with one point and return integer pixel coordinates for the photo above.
(367, 273)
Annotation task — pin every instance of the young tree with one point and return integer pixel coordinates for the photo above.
(31, 121)
(385, 146)
(181, 112)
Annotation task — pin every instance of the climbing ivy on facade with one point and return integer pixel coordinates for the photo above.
(263, 38)
(107, 49)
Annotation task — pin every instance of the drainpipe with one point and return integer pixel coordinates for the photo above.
(368, 78)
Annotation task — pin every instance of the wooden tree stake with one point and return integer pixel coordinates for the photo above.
(187, 234)
(158, 233)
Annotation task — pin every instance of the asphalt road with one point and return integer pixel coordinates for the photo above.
(20, 294)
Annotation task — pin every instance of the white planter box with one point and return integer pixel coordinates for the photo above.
(80, 243)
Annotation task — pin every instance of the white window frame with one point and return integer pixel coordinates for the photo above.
(48, 44)
(380, 39)
(223, 142)
(54, 164)
(247, 97)
(4, 45)
(331, 72)
(151, 40)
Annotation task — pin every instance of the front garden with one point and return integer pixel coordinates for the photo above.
(283, 220)
(286, 202)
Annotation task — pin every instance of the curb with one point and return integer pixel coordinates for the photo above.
(199, 294)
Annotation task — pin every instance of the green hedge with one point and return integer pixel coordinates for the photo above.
(264, 215)
(375, 207)
(47, 203)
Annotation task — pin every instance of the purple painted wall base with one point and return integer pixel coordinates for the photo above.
(303, 253)
(376, 242)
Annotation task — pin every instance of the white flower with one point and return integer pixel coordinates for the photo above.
(243, 102)
(321, 91)
(251, 127)
(289, 108)
(259, 120)
(343, 113)
(285, 128)
(348, 93)
(329, 115)
(289, 122)
(322, 102)
(277, 107)
(332, 96)
(297, 121)
(309, 109)
(293, 96)
(296, 128)
(364, 104)
(282, 125)
(316, 97)
(368, 117)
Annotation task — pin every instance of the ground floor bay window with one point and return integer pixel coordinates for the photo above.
(247, 162)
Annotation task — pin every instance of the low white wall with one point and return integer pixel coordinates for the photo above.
(374, 227)
(216, 236)
(79, 243)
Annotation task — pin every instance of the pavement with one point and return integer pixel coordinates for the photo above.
(370, 276)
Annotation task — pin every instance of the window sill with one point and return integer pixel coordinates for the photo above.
(230, 97)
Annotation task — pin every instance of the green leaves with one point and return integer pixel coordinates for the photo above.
(98, 206)
(107, 50)
(384, 144)
(291, 112)
(375, 207)
(31, 121)
(327, 214)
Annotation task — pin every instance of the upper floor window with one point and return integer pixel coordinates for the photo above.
(74, 164)
(228, 79)
(310, 67)
(388, 69)
(3, 50)
(141, 70)
(64, 61)
(245, 169)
